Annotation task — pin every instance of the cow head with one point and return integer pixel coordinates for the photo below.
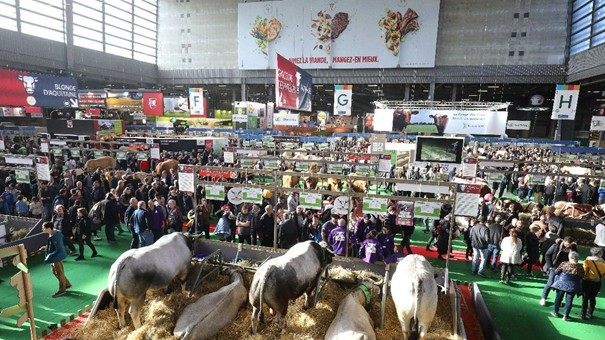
(29, 83)
(326, 254)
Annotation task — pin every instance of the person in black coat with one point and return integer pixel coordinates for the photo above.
(266, 227)
(111, 218)
(532, 247)
(555, 255)
(82, 233)
(288, 232)
(63, 223)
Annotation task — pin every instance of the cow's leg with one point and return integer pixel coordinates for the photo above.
(135, 311)
(405, 321)
(122, 304)
(182, 277)
(309, 293)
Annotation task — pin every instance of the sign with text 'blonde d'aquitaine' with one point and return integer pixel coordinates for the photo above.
(566, 102)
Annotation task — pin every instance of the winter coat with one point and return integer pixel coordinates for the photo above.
(510, 252)
(569, 278)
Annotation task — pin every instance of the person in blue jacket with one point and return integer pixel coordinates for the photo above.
(55, 254)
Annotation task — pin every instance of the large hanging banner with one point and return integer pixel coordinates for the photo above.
(186, 178)
(215, 192)
(372, 205)
(440, 121)
(91, 99)
(566, 102)
(252, 195)
(22, 88)
(173, 105)
(293, 86)
(467, 199)
(42, 169)
(196, 101)
(338, 34)
(343, 99)
(153, 103)
(309, 200)
(132, 101)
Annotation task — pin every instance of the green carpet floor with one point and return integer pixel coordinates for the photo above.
(514, 308)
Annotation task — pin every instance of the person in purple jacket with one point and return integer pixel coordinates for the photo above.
(327, 228)
(387, 240)
(371, 249)
(338, 238)
(362, 228)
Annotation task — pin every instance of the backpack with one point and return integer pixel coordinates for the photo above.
(96, 213)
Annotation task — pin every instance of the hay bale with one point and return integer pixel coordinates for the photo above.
(17, 233)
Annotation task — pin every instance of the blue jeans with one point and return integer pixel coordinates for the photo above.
(568, 302)
(145, 238)
(476, 253)
(551, 279)
(493, 252)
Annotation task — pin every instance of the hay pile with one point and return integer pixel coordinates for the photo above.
(161, 312)
(17, 233)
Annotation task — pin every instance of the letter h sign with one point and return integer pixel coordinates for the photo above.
(566, 101)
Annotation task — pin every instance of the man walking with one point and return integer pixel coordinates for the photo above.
(55, 254)
(479, 236)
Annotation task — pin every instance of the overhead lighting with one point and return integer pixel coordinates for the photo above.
(472, 95)
(372, 85)
(222, 85)
(179, 86)
(493, 87)
(482, 91)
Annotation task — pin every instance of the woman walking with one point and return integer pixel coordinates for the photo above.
(569, 283)
(594, 271)
(510, 255)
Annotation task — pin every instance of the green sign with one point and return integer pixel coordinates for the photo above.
(58, 152)
(259, 144)
(308, 146)
(310, 200)
(22, 176)
(98, 154)
(246, 143)
(324, 146)
(215, 192)
(302, 166)
(142, 156)
(269, 144)
(288, 145)
(362, 170)
(121, 155)
(271, 164)
(374, 205)
(252, 195)
(75, 153)
(537, 179)
(246, 162)
(335, 168)
(427, 209)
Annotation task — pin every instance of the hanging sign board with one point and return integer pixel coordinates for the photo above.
(215, 192)
(467, 199)
(310, 200)
(469, 167)
(565, 102)
(186, 178)
(42, 169)
(155, 151)
(373, 205)
(427, 209)
(384, 163)
(405, 214)
(252, 195)
(234, 195)
(22, 176)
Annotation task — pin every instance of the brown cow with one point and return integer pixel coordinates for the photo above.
(335, 184)
(166, 165)
(402, 118)
(290, 181)
(440, 122)
(105, 162)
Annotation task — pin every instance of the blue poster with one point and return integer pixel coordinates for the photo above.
(51, 91)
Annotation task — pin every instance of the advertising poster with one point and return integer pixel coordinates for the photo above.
(196, 101)
(440, 121)
(523, 125)
(215, 192)
(110, 127)
(153, 103)
(229, 157)
(335, 168)
(155, 151)
(427, 209)
(310, 200)
(338, 34)
(597, 123)
(176, 105)
(467, 199)
(186, 178)
(565, 102)
(252, 195)
(42, 169)
(91, 99)
(405, 213)
(22, 176)
(469, 167)
(12, 112)
(132, 101)
(373, 205)
(293, 86)
(22, 88)
(44, 145)
(286, 119)
(343, 100)
(384, 163)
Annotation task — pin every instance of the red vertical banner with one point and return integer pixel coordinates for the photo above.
(153, 103)
(209, 144)
(285, 84)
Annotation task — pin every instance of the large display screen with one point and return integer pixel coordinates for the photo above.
(439, 149)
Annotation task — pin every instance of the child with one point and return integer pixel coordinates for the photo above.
(371, 249)
(387, 241)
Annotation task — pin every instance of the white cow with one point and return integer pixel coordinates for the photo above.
(29, 83)
(204, 318)
(414, 293)
(352, 321)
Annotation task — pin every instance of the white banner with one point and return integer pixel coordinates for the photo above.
(229, 157)
(518, 125)
(155, 151)
(597, 123)
(343, 99)
(467, 199)
(2, 147)
(441, 121)
(196, 101)
(239, 118)
(372, 205)
(42, 169)
(427, 209)
(309, 200)
(252, 195)
(44, 145)
(566, 102)
(469, 167)
(18, 160)
(338, 34)
(287, 119)
(186, 178)
(215, 192)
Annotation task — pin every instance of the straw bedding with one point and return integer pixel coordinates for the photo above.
(161, 311)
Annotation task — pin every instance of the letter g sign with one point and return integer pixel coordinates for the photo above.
(343, 99)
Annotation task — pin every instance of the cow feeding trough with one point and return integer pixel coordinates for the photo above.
(161, 310)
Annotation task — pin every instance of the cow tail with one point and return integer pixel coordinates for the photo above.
(414, 325)
(121, 266)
